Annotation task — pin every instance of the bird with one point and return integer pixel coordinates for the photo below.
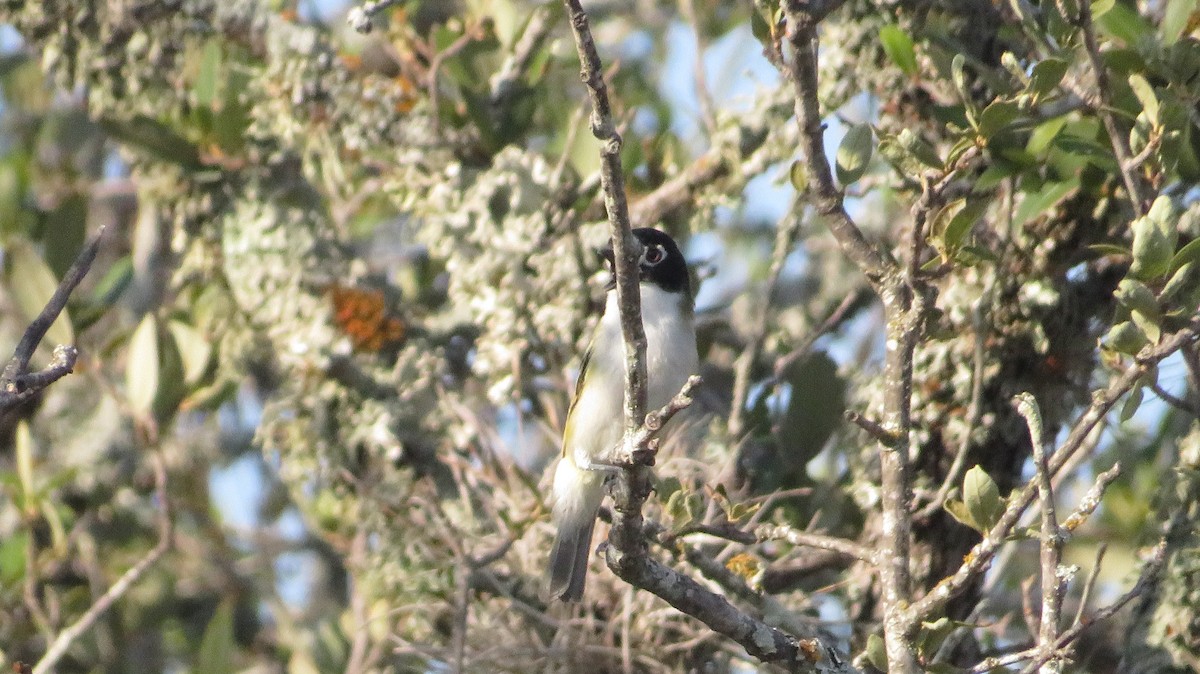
(595, 420)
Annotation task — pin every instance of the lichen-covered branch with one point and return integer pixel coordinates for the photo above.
(904, 318)
(1051, 542)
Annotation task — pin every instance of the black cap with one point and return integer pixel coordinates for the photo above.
(661, 262)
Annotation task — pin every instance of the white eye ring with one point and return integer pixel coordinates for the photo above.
(654, 254)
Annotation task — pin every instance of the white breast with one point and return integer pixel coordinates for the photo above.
(670, 359)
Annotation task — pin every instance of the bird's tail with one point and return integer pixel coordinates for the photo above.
(577, 495)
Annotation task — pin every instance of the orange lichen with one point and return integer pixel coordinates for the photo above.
(744, 565)
(363, 316)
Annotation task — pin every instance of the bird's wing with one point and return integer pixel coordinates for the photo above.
(583, 370)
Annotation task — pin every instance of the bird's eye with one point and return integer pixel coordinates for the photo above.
(655, 254)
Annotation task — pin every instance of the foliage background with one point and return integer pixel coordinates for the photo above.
(344, 280)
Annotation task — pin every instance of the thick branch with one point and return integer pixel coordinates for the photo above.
(904, 317)
(625, 246)
(827, 198)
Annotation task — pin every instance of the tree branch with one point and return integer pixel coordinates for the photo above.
(627, 552)
(1051, 542)
(16, 383)
(127, 580)
(1118, 137)
(981, 555)
(904, 318)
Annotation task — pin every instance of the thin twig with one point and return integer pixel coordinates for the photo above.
(504, 82)
(687, 9)
(360, 18)
(356, 661)
(1089, 502)
(16, 384)
(1147, 577)
(625, 246)
(738, 151)
(827, 198)
(1118, 137)
(882, 435)
(1051, 540)
(435, 66)
(1175, 401)
(123, 584)
(833, 320)
(462, 613)
(640, 448)
(811, 540)
(785, 237)
(974, 414)
(1090, 583)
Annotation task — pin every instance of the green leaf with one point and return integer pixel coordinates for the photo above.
(1124, 23)
(665, 487)
(156, 139)
(1154, 237)
(919, 148)
(899, 48)
(960, 146)
(1109, 249)
(1146, 96)
(1179, 281)
(1043, 134)
(814, 411)
(1041, 201)
(63, 232)
(798, 176)
(681, 508)
(1046, 76)
(1189, 253)
(1175, 19)
(1132, 403)
(1101, 7)
(32, 284)
(997, 115)
(1013, 66)
(933, 635)
(218, 646)
(969, 256)
(204, 90)
(194, 350)
(1137, 297)
(877, 652)
(854, 154)
(23, 447)
(141, 367)
(12, 557)
(959, 75)
(962, 222)
(1124, 337)
(982, 499)
(53, 516)
(1148, 324)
